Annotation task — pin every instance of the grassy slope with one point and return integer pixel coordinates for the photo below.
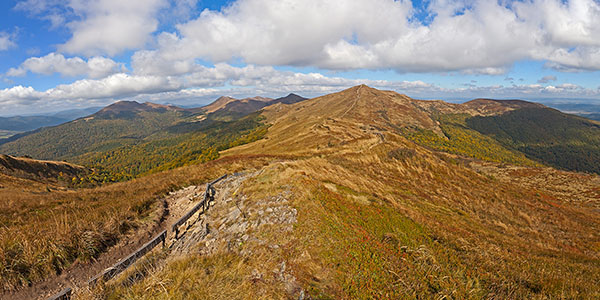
(44, 228)
(373, 230)
(385, 218)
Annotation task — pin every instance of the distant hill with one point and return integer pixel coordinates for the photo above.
(122, 123)
(591, 116)
(222, 102)
(130, 138)
(586, 110)
(132, 109)
(26, 123)
(17, 124)
(546, 135)
(72, 114)
(28, 168)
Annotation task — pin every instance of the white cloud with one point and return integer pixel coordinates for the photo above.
(480, 37)
(114, 86)
(111, 26)
(95, 67)
(99, 27)
(6, 41)
(207, 83)
(19, 95)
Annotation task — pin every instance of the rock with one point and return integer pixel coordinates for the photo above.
(256, 276)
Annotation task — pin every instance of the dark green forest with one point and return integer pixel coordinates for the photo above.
(545, 135)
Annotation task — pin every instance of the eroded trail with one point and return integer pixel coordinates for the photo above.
(172, 206)
(232, 218)
(240, 223)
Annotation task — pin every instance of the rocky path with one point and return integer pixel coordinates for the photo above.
(232, 218)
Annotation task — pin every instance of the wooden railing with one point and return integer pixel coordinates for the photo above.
(208, 196)
(122, 265)
(65, 294)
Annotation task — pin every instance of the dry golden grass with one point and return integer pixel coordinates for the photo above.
(45, 228)
(381, 217)
(494, 232)
(374, 227)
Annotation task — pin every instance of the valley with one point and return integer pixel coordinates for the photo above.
(359, 194)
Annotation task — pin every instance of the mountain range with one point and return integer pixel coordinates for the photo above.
(131, 138)
(361, 194)
(13, 125)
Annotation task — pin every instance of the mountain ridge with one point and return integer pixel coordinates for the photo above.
(356, 194)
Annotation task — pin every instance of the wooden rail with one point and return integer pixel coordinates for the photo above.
(208, 196)
(129, 260)
(65, 294)
(123, 264)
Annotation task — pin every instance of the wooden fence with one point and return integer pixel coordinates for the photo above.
(65, 294)
(209, 195)
(122, 265)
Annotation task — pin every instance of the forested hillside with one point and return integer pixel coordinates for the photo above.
(546, 135)
(127, 138)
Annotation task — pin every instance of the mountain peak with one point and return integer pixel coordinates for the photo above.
(124, 109)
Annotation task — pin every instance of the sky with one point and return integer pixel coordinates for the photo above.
(65, 54)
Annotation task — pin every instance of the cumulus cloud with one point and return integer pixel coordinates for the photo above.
(86, 91)
(482, 37)
(95, 67)
(223, 79)
(99, 27)
(111, 26)
(6, 41)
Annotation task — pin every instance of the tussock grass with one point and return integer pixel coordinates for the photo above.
(377, 222)
(44, 230)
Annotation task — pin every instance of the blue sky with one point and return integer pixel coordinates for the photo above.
(57, 55)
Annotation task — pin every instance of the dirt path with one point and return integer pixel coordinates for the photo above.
(174, 206)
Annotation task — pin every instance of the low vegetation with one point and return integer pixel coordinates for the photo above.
(45, 228)
(408, 206)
